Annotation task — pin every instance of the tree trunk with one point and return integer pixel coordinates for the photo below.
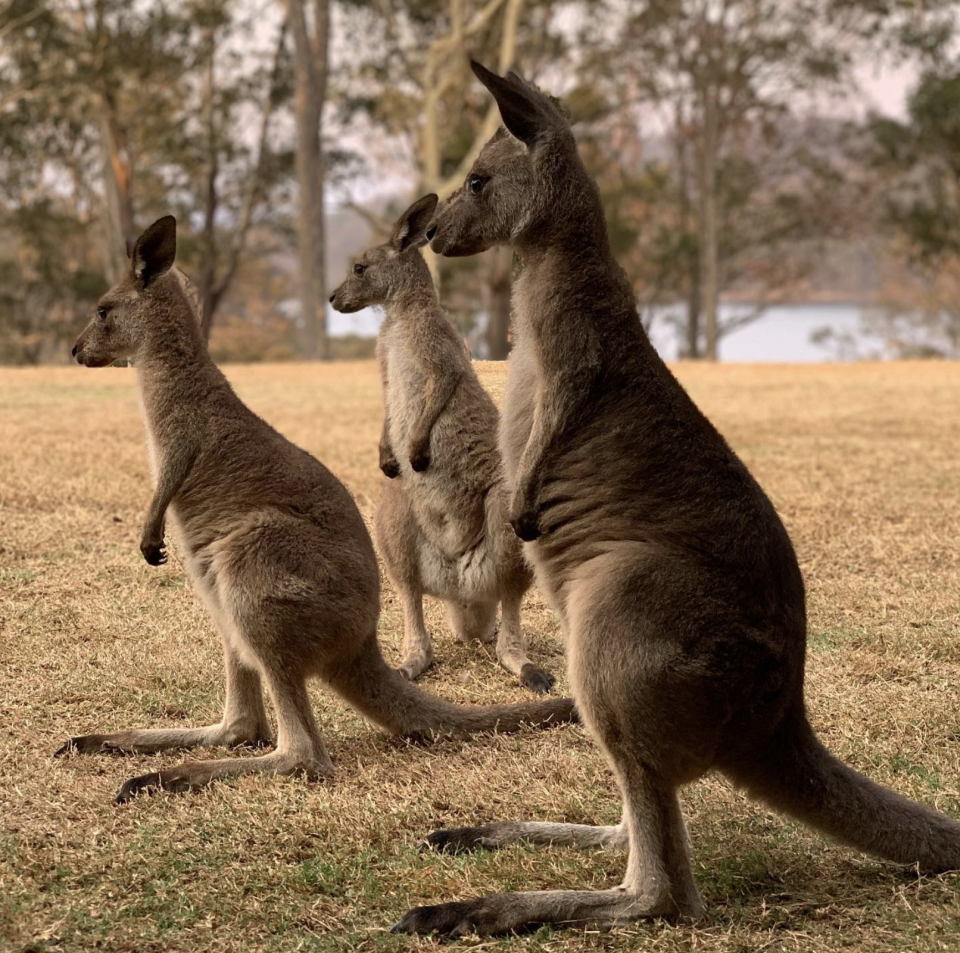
(118, 192)
(498, 306)
(115, 154)
(443, 67)
(693, 321)
(690, 349)
(709, 252)
(311, 51)
(208, 269)
(219, 269)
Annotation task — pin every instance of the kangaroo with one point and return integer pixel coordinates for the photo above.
(442, 527)
(272, 542)
(682, 597)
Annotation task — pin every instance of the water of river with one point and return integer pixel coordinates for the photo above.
(781, 335)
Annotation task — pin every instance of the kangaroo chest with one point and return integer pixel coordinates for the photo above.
(447, 498)
(405, 387)
(516, 414)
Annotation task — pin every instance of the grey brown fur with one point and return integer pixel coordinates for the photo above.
(441, 526)
(272, 542)
(683, 601)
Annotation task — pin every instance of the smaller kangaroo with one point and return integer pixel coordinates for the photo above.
(273, 543)
(442, 528)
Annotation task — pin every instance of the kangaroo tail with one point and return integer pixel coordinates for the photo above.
(384, 696)
(797, 775)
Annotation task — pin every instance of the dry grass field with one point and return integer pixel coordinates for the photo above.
(863, 464)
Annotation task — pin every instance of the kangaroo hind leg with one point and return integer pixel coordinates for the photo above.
(266, 637)
(512, 648)
(299, 750)
(658, 882)
(244, 720)
(417, 650)
(402, 547)
(472, 621)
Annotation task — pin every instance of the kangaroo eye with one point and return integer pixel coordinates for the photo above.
(359, 269)
(475, 184)
(102, 314)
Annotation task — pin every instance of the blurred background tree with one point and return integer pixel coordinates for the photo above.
(407, 83)
(738, 168)
(920, 160)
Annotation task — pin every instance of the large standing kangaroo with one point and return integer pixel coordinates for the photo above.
(272, 542)
(678, 584)
(442, 528)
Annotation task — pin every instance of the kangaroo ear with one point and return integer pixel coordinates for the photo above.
(155, 251)
(525, 111)
(410, 230)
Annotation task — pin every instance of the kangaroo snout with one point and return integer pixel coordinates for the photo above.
(351, 295)
(88, 358)
(340, 301)
(453, 232)
(439, 241)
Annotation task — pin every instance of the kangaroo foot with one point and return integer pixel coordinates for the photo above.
(457, 840)
(510, 912)
(151, 740)
(195, 774)
(536, 679)
(415, 665)
(87, 744)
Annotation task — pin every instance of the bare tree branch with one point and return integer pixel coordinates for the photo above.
(380, 224)
(393, 32)
(255, 178)
(20, 21)
(508, 47)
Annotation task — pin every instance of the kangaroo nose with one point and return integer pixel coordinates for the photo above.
(73, 353)
(431, 231)
(332, 297)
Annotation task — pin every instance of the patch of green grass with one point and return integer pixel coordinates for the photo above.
(359, 878)
(173, 582)
(17, 575)
(930, 779)
(834, 638)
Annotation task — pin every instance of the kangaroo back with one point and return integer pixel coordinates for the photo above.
(797, 775)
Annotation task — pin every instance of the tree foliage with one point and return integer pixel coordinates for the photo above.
(107, 121)
(918, 163)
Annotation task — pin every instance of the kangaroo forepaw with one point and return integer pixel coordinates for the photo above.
(154, 552)
(389, 467)
(420, 459)
(527, 525)
(536, 679)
